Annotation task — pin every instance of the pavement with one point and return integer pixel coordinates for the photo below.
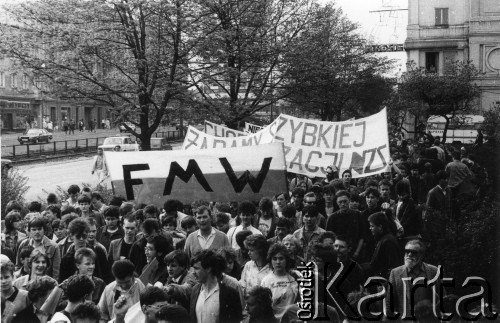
(45, 177)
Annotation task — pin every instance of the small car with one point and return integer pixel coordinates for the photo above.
(34, 136)
(119, 143)
(129, 124)
(160, 144)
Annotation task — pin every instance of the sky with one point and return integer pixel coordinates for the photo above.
(382, 27)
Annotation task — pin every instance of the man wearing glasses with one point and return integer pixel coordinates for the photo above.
(413, 268)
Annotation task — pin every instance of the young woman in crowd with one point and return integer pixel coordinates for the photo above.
(258, 267)
(233, 268)
(284, 287)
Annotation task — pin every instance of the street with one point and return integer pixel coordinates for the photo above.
(43, 178)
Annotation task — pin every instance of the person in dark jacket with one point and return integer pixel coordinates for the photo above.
(406, 212)
(387, 254)
(219, 300)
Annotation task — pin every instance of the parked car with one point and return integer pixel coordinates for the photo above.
(34, 136)
(160, 144)
(119, 143)
(129, 124)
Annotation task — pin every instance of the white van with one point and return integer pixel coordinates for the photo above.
(462, 128)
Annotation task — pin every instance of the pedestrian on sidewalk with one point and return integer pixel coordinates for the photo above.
(72, 126)
(99, 166)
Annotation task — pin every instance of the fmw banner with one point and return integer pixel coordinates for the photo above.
(209, 174)
(252, 128)
(359, 145)
(218, 130)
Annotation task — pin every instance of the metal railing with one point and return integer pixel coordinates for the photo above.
(68, 147)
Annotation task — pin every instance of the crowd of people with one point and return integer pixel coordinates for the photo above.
(87, 259)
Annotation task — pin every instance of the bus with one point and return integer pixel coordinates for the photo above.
(462, 128)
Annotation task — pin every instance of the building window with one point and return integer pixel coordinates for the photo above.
(441, 16)
(432, 62)
(25, 81)
(13, 80)
(2, 79)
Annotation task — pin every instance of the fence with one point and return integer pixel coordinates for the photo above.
(67, 147)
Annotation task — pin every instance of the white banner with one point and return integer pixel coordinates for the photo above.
(196, 139)
(211, 174)
(218, 130)
(359, 145)
(252, 128)
(310, 145)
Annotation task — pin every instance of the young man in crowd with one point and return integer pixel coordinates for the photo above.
(74, 193)
(246, 212)
(66, 242)
(122, 293)
(150, 228)
(310, 231)
(212, 301)
(98, 202)
(78, 288)
(84, 206)
(112, 230)
(13, 299)
(282, 229)
(347, 222)
(206, 237)
(309, 200)
(120, 248)
(38, 240)
(266, 220)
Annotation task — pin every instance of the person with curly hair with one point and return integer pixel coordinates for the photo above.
(283, 286)
(258, 267)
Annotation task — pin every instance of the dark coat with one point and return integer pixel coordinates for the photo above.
(387, 255)
(229, 301)
(410, 219)
(102, 269)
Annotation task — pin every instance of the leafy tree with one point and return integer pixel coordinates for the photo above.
(341, 77)
(14, 187)
(130, 55)
(238, 68)
(448, 95)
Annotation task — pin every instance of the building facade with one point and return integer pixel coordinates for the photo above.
(440, 31)
(25, 103)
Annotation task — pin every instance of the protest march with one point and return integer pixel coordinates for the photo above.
(295, 220)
